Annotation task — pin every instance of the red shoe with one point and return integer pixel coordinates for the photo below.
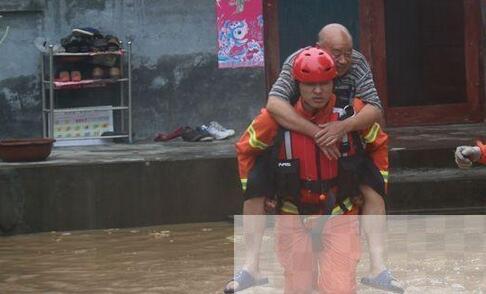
(75, 76)
(166, 137)
(64, 76)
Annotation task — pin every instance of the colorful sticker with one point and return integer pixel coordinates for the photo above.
(81, 123)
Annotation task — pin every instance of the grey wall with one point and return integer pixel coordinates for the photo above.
(175, 76)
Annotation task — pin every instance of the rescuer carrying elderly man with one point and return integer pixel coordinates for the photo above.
(317, 198)
(353, 78)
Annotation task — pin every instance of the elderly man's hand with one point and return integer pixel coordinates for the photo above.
(466, 155)
(331, 152)
(330, 133)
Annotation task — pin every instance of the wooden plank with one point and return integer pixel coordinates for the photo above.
(271, 42)
(365, 29)
(372, 42)
(379, 58)
(482, 60)
(472, 27)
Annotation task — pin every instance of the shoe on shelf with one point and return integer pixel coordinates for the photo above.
(115, 73)
(161, 137)
(191, 135)
(87, 33)
(113, 43)
(64, 76)
(218, 131)
(207, 136)
(98, 73)
(75, 76)
(99, 45)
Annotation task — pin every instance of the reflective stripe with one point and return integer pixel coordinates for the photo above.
(384, 173)
(344, 142)
(288, 145)
(347, 203)
(289, 208)
(243, 184)
(254, 142)
(372, 134)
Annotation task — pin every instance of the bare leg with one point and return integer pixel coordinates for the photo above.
(253, 228)
(373, 224)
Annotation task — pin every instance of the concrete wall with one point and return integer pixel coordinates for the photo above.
(175, 76)
(123, 194)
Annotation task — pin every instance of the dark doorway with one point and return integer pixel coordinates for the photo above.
(425, 56)
(425, 52)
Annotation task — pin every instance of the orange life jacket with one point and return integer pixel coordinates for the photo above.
(256, 142)
(318, 175)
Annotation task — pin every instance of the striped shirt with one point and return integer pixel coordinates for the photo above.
(357, 82)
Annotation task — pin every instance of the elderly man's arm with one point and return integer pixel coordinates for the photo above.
(333, 131)
(371, 113)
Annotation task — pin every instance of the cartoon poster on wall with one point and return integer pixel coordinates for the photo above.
(240, 33)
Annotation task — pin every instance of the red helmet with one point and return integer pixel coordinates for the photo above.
(314, 65)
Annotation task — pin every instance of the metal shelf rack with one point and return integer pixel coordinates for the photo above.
(51, 86)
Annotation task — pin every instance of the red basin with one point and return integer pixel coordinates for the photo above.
(21, 150)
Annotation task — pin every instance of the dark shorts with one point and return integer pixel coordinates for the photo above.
(353, 172)
(260, 181)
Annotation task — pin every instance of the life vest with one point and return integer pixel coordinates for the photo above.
(356, 167)
(260, 149)
(315, 189)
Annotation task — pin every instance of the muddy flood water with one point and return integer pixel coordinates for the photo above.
(192, 258)
(438, 255)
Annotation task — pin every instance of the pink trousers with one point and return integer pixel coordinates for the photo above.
(329, 270)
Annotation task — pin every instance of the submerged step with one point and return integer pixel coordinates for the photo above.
(422, 158)
(414, 175)
(446, 190)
